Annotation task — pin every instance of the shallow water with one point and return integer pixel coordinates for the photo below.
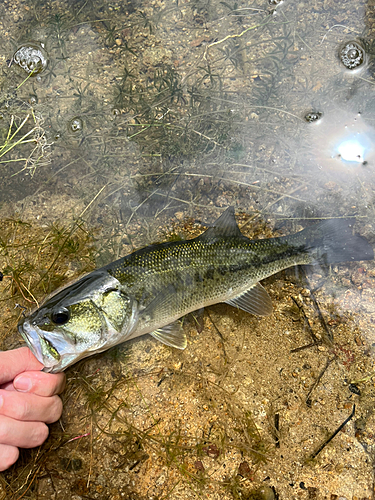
(148, 120)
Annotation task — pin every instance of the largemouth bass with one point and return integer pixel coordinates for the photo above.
(150, 289)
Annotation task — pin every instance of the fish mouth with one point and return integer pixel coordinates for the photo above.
(35, 341)
(32, 339)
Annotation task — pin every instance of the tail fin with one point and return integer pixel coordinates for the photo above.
(332, 241)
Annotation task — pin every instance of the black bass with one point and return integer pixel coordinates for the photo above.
(150, 289)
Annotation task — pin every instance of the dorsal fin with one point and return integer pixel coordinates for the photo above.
(224, 227)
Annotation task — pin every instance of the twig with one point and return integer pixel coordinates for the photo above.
(321, 318)
(329, 335)
(328, 362)
(334, 434)
(31, 482)
(78, 437)
(238, 35)
(91, 458)
(335, 26)
(307, 346)
(277, 429)
(316, 341)
(220, 335)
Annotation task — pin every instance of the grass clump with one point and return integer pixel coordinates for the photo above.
(169, 119)
(35, 260)
(22, 138)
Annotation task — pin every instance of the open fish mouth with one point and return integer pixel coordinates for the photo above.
(40, 346)
(32, 339)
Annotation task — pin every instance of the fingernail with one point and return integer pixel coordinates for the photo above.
(22, 384)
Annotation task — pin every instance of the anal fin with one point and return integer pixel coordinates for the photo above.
(254, 301)
(172, 335)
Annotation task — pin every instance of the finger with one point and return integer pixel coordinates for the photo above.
(14, 362)
(8, 456)
(8, 386)
(43, 384)
(22, 434)
(30, 407)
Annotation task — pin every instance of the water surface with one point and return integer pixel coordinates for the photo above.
(142, 121)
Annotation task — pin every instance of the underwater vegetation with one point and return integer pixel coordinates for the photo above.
(35, 260)
(58, 28)
(23, 143)
(172, 120)
(99, 409)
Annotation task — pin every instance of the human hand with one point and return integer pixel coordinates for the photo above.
(28, 401)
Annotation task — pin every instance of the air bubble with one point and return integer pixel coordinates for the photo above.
(352, 55)
(76, 125)
(31, 57)
(33, 99)
(313, 116)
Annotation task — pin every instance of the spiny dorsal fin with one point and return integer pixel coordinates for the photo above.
(254, 301)
(224, 226)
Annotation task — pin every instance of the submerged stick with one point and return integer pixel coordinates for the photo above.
(277, 430)
(334, 434)
(328, 362)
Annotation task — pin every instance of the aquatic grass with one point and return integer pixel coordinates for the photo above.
(20, 134)
(234, 52)
(81, 95)
(112, 406)
(165, 116)
(26, 249)
(110, 33)
(58, 26)
(146, 21)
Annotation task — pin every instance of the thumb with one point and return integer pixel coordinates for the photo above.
(17, 361)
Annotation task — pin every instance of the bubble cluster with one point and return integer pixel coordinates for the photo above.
(352, 55)
(313, 116)
(31, 57)
(75, 125)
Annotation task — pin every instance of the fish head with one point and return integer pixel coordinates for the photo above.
(84, 318)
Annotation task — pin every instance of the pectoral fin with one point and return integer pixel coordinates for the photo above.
(254, 301)
(171, 335)
(161, 306)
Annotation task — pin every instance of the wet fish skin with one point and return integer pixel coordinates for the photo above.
(148, 290)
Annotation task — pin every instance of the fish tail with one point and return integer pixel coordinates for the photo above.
(333, 241)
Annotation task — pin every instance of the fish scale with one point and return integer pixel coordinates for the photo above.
(239, 263)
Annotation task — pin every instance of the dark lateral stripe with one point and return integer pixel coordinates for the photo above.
(210, 273)
(288, 252)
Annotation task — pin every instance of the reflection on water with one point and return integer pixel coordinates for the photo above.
(128, 123)
(343, 145)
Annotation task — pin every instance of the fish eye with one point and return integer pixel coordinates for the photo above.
(61, 316)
